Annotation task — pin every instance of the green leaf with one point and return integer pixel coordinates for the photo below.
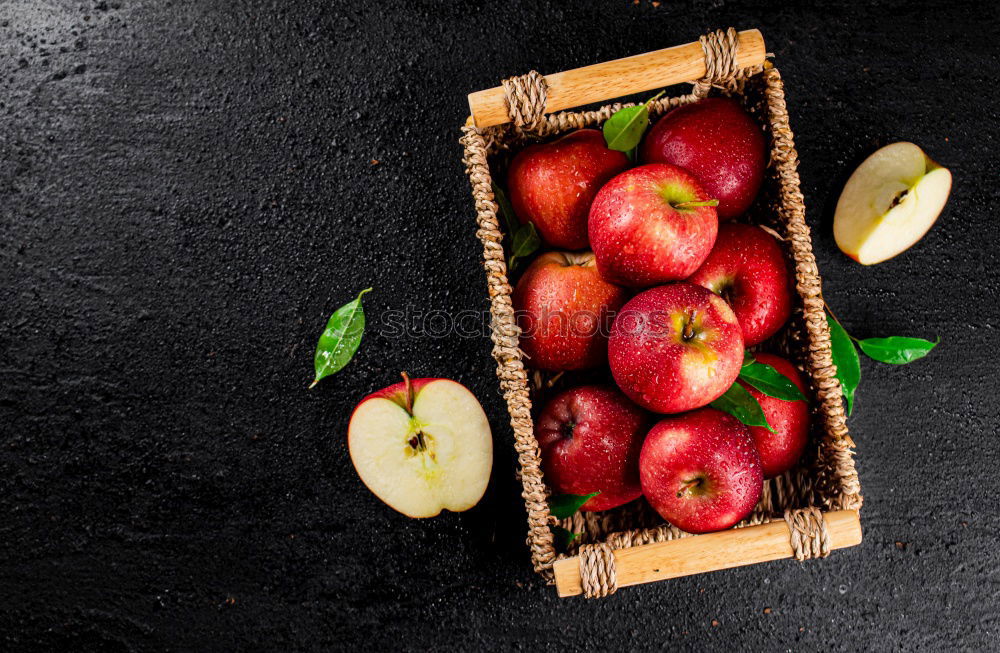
(771, 382)
(565, 505)
(506, 210)
(748, 358)
(845, 357)
(524, 238)
(526, 241)
(340, 339)
(739, 403)
(897, 350)
(563, 537)
(624, 129)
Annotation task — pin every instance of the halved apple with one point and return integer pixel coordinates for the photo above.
(422, 446)
(889, 203)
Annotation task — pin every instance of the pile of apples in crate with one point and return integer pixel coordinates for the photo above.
(650, 273)
(650, 280)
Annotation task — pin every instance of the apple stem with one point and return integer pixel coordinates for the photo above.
(687, 486)
(688, 331)
(832, 314)
(694, 204)
(409, 392)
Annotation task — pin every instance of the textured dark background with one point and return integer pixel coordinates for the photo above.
(186, 193)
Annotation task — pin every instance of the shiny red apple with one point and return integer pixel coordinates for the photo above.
(590, 438)
(781, 450)
(719, 144)
(701, 471)
(564, 310)
(675, 348)
(553, 184)
(748, 269)
(650, 225)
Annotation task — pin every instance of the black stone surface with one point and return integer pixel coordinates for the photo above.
(186, 193)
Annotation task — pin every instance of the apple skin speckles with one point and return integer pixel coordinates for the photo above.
(748, 268)
(708, 481)
(638, 234)
(590, 437)
(564, 310)
(553, 184)
(717, 142)
(675, 348)
(781, 450)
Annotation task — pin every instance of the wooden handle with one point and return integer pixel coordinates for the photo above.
(613, 79)
(695, 555)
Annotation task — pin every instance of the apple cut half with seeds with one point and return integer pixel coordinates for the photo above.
(422, 446)
(889, 203)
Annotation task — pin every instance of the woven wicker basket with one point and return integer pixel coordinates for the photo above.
(805, 513)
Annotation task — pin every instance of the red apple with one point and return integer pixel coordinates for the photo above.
(748, 269)
(553, 184)
(675, 348)
(564, 310)
(650, 225)
(701, 471)
(590, 438)
(719, 144)
(422, 445)
(781, 450)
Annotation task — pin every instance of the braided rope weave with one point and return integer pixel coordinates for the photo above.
(826, 480)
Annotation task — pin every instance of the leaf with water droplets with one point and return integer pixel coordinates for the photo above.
(845, 357)
(341, 338)
(770, 381)
(739, 403)
(526, 241)
(897, 350)
(624, 129)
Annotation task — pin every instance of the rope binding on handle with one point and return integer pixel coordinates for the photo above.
(807, 531)
(720, 59)
(598, 573)
(525, 97)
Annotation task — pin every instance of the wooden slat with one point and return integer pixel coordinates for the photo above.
(618, 78)
(710, 552)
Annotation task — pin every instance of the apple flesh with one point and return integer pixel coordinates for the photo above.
(719, 144)
(889, 203)
(675, 348)
(422, 446)
(590, 437)
(553, 184)
(700, 471)
(564, 310)
(781, 450)
(650, 225)
(748, 269)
